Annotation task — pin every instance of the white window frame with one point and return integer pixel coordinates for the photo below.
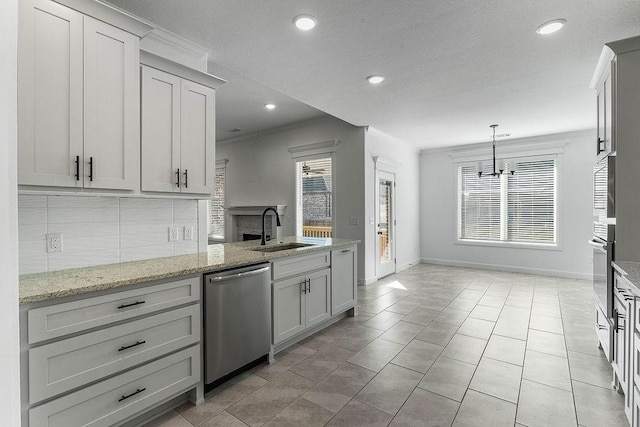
(524, 152)
(220, 164)
(314, 151)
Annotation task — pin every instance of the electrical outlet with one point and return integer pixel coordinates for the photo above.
(188, 232)
(173, 234)
(54, 242)
(354, 220)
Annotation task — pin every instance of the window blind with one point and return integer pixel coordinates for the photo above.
(509, 208)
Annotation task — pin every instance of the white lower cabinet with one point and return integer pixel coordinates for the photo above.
(311, 289)
(300, 303)
(107, 359)
(114, 400)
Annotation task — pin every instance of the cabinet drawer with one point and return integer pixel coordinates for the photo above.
(64, 365)
(77, 316)
(116, 399)
(300, 265)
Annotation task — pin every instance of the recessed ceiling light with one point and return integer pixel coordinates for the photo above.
(305, 22)
(551, 26)
(270, 106)
(375, 79)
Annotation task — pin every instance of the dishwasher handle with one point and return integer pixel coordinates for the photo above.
(230, 275)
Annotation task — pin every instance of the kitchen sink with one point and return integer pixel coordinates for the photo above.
(281, 247)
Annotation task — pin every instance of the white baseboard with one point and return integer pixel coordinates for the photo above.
(368, 281)
(510, 268)
(404, 266)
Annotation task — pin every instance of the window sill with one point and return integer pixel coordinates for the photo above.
(510, 245)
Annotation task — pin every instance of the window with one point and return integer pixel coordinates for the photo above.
(511, 208)
(216, 206)
(314, 198)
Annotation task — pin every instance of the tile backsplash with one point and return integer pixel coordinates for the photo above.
(101, 230)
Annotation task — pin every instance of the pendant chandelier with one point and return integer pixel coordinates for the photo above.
(500, 163)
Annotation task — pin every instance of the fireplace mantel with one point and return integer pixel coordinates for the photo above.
(232, 214)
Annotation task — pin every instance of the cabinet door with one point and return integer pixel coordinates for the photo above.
(619, 352)
(288, 308)
(49, 94)
(343, 280)
(111, 107)
(197, 138)
(318, 297)
(160, 131)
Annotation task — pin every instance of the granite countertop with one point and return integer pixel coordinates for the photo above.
(56, 284)
(630, 271)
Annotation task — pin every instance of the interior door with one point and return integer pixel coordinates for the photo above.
(385, 224)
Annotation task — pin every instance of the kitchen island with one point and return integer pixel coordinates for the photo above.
(122, 342)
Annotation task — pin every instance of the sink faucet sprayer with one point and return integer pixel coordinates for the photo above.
(264, 214)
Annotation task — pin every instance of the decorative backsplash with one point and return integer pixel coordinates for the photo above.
(101, 230)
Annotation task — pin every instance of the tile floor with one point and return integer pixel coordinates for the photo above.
(434, 346)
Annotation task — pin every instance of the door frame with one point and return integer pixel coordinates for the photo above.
(387, 167)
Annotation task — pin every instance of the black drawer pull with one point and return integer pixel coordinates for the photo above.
(186, 178)
(178, 177)
(131, 305)
(90, 168)
(77, 168)
(125, 347)
(140, 390)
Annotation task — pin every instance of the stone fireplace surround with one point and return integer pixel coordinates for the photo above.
(241, 220)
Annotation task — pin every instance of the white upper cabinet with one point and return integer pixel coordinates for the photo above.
(79, 102)
(50, 90)
(111, 107)
(178, 127)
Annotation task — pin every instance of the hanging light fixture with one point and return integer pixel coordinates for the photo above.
(500, 163)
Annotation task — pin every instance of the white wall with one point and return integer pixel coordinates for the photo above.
(407, 200)
(9, 351)
(260, 172)
(438, 212)
(102, 230)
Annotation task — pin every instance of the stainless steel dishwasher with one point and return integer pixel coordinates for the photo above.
(237, 319)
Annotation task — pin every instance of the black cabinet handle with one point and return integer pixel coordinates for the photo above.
(309, 280)
(77, 168)
(305, 286)
(90, 168)
(186, 178)
(131, 305)
(178, 177)
(601, 327)
(599, 148)
(125, 347)
(140, 390)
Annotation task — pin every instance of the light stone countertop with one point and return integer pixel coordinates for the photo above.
(630, 271)
(56, 284)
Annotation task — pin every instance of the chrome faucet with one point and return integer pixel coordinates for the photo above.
(264, 214)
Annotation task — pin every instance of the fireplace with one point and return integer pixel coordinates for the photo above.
(247, 220)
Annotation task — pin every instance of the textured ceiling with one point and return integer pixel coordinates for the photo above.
(452, 67)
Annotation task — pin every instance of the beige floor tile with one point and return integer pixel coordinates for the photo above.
(402, 332)
(260, 406)
(492, 300)
(543, 309)
(283, 361)
(597, 406)
(376, 354)
(384, 320)
(437, 333)
(422, 316)
(543, 405)
(448, 377)
(506, 349)
(418, 355)
(485, 312)
(358, 338)
(594, 370)
(223, 419)
(323, 362)
(477, 328)
(546, 342)
(498, 379)
(337, 389)
(452, 316)
(464, 348)
(547, 369)
(426, 409)
(546, 323)
(302, 413)
(390, 388)
(462, 304)
(479, 409)
(170, 419)
(360, 414)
